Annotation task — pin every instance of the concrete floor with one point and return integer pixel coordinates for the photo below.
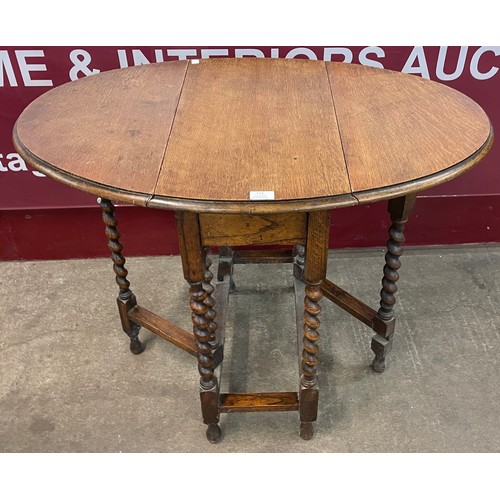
(70, 384)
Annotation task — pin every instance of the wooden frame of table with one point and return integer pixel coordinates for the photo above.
(208, 135)
(308, 232)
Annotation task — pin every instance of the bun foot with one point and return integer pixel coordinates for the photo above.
(379, 365)
(136, 346)
(306, 430)
(381, 347)
(214, 433)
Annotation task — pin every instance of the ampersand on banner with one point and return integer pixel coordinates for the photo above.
(81, 60)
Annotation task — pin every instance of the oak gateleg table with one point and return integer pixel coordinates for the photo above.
(251, 152)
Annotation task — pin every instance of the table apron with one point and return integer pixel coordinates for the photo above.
(251, 229)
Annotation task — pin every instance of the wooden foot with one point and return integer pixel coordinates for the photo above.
(378, 365)
(136, 346)
(306, 430)
(381, 347)
(214, 433)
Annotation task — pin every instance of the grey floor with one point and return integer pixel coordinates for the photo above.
(70, 384)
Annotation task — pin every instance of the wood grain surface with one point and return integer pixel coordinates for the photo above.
(397, 127)
(236, 229)
(254, 125)
(164, 329)
(260, 401)
(109, 128)
(201, 136)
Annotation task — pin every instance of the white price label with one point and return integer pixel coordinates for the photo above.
(261, 195)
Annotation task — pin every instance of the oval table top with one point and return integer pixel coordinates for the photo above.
(218, 135)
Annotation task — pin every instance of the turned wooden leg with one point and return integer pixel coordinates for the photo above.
(210, 303)
(126, 299)
(399, 210)
(206, 363)
(309, 390)
(316, 256)
(196, 273)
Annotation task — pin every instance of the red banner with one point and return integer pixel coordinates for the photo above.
(26, 73)
(464, 210)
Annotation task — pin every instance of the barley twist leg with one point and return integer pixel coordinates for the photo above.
(206, 363)
(126, 299)
(399, 209)
(210, 303)
(308, 381)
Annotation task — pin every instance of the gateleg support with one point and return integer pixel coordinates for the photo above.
(126, 299)
(400, 210)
